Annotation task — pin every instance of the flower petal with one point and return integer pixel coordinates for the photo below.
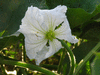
(33, 20)
(60, 8)
(55, 45)
(54, 17)
(41, 55)
(64, 32)
(33, 44)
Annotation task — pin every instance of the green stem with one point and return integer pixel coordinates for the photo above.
(83, 61)
(48, 66)
(61, 60)
(72, 61)
(26, 65)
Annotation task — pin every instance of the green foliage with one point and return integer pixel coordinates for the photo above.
(91, 31)
(87, 5)
(83, 49)
(88, 68)
(96, 65)
(77, 16)
(12, 11)
(84, 20)
(97, 10)
(7, 41)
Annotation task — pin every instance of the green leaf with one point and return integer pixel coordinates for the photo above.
(77, 16)
(53, 3)
(83, 49)
(96, 14)
(7, 41)
(86, 58)
(12, 11)
(97, 10)
(87, 5)
(9, 19)
(96, 65)
(91, 32)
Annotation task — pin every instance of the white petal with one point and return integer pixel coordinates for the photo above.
(55, 45)
(54, 17)
(64, 32)
(33, 20)
(40, 21)
(41, 55)
(33, 44)
(31, 54)
(60, 8)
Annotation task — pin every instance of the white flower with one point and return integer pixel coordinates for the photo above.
(38, 27)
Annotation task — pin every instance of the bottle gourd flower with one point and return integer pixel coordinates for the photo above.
(41, 28)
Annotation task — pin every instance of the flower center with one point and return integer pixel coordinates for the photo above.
(50, 35)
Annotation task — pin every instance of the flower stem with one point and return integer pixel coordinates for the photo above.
(61, 60)
(72, 61)
(26, 65)
(87, 57)
(48, 66)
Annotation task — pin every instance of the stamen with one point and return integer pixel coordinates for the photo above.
(50, 35)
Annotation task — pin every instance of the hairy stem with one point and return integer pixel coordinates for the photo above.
(71, 55)
(26, 65)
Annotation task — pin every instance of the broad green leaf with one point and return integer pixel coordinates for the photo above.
(53, 3)
(97, 10)
(96, 65)
(91, 31)
(87, 5)
(87, 57)
(87, 25)
(96, 14)
(7, 41)
(77, 16)
(12, 11)
(9, 20)
(83, 49)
